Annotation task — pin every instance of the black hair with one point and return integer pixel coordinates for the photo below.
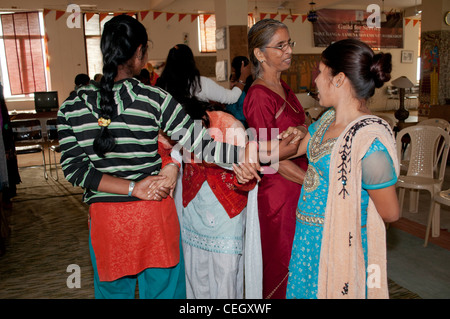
(236, 64)
(121, 37)
(82, 79)
(180, 77)
(365, 69)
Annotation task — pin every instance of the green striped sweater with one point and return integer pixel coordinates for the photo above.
(141, 111)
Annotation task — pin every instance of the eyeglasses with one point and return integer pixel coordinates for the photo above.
(284, 46)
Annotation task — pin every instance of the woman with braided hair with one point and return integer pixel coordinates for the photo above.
(109, 142)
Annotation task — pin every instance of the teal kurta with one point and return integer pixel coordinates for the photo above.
(304, 264)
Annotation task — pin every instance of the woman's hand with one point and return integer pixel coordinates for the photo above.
(171, 173)
(141, 189)
(299, 132)
(248, 164)
(246, 71)
(243, 173)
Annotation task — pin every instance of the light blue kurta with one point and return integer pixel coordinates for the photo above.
(304, 263)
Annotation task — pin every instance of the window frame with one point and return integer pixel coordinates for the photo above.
(206, 33)
(4, 74)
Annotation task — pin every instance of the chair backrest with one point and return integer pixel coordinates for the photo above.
(27, 130)
(429, 147)
(436, 122)
(52, 130)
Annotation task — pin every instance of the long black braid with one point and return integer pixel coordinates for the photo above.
(121, 37)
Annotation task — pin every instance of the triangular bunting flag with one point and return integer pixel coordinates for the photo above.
(144, 14)
(283, 17)
(117, 13)
(262, 16)
(294, 17)
(407, 21)
(59, 14)
(415, 22)
(156, 14)
(169, 15)
(102, 16)
(206, 17)
(89, 15)
(304, 16)
(181, 16)
(46, 11)
(193, 17)
(273, 15)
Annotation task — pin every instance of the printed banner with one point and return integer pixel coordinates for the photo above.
(335, 25)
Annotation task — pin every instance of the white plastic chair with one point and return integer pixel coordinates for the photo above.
(437, 123)
(442, 198)
(429, 149)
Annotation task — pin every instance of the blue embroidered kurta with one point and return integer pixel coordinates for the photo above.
(304, 263)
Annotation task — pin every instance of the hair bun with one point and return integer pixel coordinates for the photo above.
(381, 68)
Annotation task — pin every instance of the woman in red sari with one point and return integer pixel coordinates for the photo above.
(270, 107)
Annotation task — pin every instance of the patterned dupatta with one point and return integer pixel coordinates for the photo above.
(342, 270)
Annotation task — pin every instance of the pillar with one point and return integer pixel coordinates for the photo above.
(231, 23)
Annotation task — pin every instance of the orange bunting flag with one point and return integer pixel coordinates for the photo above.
(102, 16)
(304, 16)
(206, 17)
(156, 14)
(273, 15)
(59, 14)
(169, 15)
(46, 11)
(407, 21)
(262, 16)
(283, 17)
(89, 15)
(144, 14)
(294, 17)
(193, 17)
(415, 22)
(181, 16)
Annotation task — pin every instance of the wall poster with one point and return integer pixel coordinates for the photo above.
(334, 25)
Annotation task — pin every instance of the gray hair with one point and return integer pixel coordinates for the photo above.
(259, 36)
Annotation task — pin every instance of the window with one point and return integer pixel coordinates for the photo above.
(93, 28)
(419, 53)
(207, 33)
(22, 53)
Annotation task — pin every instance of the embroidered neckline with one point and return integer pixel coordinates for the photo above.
(318, 148)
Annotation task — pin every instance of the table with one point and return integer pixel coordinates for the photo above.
(41, 116)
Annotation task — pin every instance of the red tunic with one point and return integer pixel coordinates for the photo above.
(277, 196)
(128, 237)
